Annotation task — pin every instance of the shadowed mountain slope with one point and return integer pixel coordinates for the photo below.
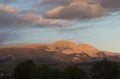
(58, 52)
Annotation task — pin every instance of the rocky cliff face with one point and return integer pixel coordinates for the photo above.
(58, 52)
(67, 47)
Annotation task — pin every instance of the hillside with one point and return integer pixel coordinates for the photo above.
(58, 52)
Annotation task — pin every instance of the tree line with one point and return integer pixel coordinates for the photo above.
(100, 70)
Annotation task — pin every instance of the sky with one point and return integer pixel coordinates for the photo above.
(95, 22)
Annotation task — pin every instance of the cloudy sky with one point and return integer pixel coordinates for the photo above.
(95, 22)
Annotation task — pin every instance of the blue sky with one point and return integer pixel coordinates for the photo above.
(37, 21)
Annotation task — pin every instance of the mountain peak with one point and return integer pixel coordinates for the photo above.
(60, 51)
(63, 42)
(68, 47)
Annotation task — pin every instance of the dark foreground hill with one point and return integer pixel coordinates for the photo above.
(58, 52)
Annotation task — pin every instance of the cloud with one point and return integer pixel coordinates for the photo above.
(111, 4)
(72, 9)
(76, 10)
(40, 21)
(12, 20)
(8, 15)
(58, 2)
(11, 17)
(65, 2)
(90, 31)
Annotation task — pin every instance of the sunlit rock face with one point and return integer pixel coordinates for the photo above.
(68, 47)
(58, 52)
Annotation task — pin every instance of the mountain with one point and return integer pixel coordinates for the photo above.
(58, 52)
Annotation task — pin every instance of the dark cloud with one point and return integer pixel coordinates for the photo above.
(76, 10)
(115, 4)
(107, 3)
(40, 21)
(81, 9)
(8, 15)
(11, 17)
(56, 2)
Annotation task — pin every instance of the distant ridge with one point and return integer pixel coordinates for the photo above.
(58, 52)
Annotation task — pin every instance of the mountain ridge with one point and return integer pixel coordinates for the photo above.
(60, 51)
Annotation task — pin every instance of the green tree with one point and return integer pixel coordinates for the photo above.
(22, 70)
(73, 73)
(105, 70)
